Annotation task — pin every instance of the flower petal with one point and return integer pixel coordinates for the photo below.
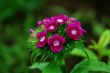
(75, 31)
(61, 19)
(40, 22)
(56, 49)
(40, 34)
(40, 44)
(62, 40)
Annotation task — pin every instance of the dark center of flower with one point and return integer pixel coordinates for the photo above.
(56, 43)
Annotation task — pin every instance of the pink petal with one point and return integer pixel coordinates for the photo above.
(49, 41)
(40, 34)
(40, 22)
(62, 40)
(76, 38)
(56, 49)
(40, 44)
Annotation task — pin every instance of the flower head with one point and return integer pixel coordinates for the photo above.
(51, 27)
(42, 39)
(72, 20)
(61, 19)
(47, 21)
(74, 31)
(56, 43)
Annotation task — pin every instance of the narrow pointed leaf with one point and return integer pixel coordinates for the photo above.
(104, 40)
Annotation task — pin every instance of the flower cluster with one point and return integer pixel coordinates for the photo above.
(50, 36)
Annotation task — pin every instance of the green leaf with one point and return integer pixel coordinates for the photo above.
(80, 47)
(104, 52)
(104, 40)
(86, 66)
(93, 45)
(39, 66)
(90, 53)
(82, 67)
(52, 68)
(99, 66)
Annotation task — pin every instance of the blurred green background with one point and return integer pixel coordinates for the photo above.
(18, 16)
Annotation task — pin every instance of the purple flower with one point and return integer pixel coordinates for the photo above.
(56, 43)
(72, 20)
(40, 22)
(51, 27)
(75, 31)
(61, 19)
(42, 39)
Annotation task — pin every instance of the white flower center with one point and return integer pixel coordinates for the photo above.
(42, 39)
(73, 32)
(51, 27)
(56, 43)
(59, 20)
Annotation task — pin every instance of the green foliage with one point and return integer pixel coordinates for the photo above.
(52, 68)
(90, 66)
(102, 44)
(98, 29)
(89, 52)
(104, 40)
(39, 66)
(46, 67)
(78, 49)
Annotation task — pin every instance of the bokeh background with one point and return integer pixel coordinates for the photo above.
(18, 16)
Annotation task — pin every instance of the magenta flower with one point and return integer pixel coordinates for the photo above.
(61, 19)
(56, 43)
(74, 31)
(42, 39)
(72, 20)
(47, 21)
(40, 22)
(51, 27)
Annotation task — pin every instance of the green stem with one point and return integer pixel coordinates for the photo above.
(63, 66)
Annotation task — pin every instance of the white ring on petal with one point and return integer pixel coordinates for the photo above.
(56, 43)
(42, 39)
(51, 27)
(59, 20)
(73, 32)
